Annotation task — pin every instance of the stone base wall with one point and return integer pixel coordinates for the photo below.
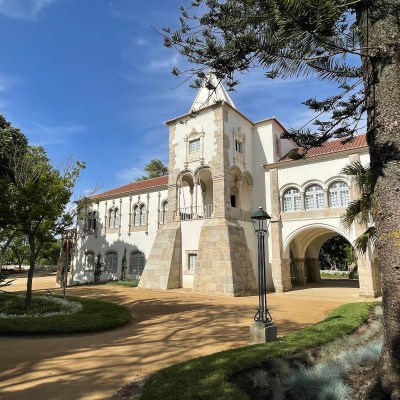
(163, 267)
(281, 275)
(369, 277)
(224, 265)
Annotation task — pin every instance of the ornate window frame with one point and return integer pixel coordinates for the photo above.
(138, 216)
(198, 154)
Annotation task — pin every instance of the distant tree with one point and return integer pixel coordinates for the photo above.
(13, 144)
(360, 210)
(17, 252)
(336, 253)
(50, 252)
(97, 269)
(35, 203)
(124, 266)
(154, 169)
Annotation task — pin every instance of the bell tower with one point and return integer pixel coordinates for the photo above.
(208, 209)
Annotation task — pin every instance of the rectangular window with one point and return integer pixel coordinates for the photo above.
(192, 258)
(111, 262)
(89, 261)
(194, 146)
(239, 146)
(136, 263)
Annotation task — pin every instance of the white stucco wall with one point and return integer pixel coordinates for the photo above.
(118, 239)
(190, 242)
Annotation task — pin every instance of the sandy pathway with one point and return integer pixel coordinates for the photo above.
(167, 327)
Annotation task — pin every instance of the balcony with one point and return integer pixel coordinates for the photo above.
(199, 212)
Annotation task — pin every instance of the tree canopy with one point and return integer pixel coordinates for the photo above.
(33, 198)
(154, 169)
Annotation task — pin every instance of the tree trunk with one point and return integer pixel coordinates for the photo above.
(32, 263)
(381, 34)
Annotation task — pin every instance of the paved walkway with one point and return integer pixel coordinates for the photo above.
(167, 327)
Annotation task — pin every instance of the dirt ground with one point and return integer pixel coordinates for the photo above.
(167, 327)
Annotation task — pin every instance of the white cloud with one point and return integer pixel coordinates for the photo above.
(6, 82)
(46, 135)
(24, 9)
(121, 15)
(129, 174)
(168, 62)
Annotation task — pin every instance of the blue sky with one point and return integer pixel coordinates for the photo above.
(91, 79)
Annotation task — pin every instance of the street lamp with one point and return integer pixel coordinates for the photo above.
(263, 329)
(68, 241)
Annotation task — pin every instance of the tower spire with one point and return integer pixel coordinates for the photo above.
(206, 96)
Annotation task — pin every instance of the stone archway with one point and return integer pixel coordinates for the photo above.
(301, 254)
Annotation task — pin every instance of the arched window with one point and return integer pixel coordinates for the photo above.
(113, 218)
(164, 212)
(92, 220)
(338, 194)
(111, 261)
(291, 200)
(314, 197)
(89, 261)
(142, 214)
(136, 263)
(136, 215)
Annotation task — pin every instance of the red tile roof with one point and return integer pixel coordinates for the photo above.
(130, 187)
(333, 146)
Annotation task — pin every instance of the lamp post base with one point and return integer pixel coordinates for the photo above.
(262, 332)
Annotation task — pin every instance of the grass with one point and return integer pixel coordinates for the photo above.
(334, 274)
(123, 283)
(94, 316)
(207, 378)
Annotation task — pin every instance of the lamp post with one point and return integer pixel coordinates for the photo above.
(68, 240)
(262, 330)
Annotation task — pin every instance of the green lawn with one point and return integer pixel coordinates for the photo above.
(123, 283)
(94, 316)
(207, 378)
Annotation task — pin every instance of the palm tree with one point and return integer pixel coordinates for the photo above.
(360, 210)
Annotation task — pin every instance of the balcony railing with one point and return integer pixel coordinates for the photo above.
(199, 212)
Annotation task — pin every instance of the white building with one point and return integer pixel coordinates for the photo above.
(192, 229)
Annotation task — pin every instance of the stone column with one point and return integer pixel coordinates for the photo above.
(312, 266)
(369, 276)
(301, 272)
(326, 200)
(280, 267)
(191, 202)
(251, 197)
(195, 200)
(178, 202)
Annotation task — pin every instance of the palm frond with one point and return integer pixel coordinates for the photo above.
(365, 239)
